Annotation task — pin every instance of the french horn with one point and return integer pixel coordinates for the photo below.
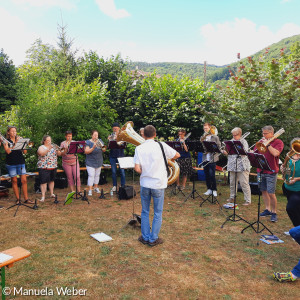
(127, 134)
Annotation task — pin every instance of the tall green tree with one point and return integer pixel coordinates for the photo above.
(8, 77)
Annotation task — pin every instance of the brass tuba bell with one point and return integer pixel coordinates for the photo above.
(295, 149)
(127, 134)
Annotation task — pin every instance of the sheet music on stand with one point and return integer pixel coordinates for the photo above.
(258, 160)
(21, 144)
(235, 148)
(126, 162)
(211, 147)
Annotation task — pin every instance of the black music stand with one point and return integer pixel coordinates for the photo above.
(75, 148)
(258, 161)
(213, 148)
(235, 148)
(21, 145)
(128, 163)
(198, 147)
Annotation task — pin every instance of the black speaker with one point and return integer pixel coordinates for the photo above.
(253, 186)
(127, 192)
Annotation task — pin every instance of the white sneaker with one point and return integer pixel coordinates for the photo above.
(208, 192)
(97, 190)
(215, 193)
(90, 193)
(114, 188)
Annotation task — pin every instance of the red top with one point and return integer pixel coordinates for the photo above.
(272, 160)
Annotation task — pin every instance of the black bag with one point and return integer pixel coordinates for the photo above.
(102, 179)
(127, 192)
(253, 186)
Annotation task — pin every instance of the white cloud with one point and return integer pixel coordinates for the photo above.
(67, 4)
(109, 8)
(16, 39)
(223, 41)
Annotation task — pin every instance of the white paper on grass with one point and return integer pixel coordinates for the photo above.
(4, 257)
(101, 237)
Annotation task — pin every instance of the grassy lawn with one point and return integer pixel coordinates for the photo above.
(199, 259)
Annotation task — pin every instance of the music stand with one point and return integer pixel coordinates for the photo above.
(235, 148)
(212, 148)
(75, 148)
(198, 147)
(258, 161)
(128, 163)
(20, 145)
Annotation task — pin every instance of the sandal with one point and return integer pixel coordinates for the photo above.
(42, 199)
(52, 196)
(28, 201)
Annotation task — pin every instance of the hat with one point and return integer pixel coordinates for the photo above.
(116, 124)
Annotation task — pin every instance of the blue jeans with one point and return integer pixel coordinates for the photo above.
(113, 162)
(210, 176)
(158, 205)
(295, 234)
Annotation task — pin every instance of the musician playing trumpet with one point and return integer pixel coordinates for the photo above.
(210, 168)
(15, 163)
(69, 163)
(47, 165)
(113, 158)
(269, 178)
(184, 161)
(239, 168)
(93, 161)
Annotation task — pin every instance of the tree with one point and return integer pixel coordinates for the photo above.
(8, 77)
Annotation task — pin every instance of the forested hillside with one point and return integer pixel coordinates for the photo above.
(213, 72)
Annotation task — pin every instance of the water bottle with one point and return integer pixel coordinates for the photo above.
(111, 193)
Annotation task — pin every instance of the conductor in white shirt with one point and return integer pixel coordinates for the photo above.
(149, 162)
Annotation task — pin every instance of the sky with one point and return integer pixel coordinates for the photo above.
(191, 31)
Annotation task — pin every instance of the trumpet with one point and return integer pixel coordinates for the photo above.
(100, 144)
(57, 148)
(262, 146)
(286, 170)
(5, 141)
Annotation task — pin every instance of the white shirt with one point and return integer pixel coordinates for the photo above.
(149, 156)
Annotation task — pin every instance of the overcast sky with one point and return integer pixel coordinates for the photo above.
(151, 30)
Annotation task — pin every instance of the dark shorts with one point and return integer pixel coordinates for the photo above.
(46, 176)
(268, 183)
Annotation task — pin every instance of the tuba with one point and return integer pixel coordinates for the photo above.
(127, 134)
(286, 168)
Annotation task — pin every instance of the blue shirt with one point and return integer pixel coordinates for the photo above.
(94, 159)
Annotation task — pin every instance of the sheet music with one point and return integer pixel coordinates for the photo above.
(20, 144)
(4, 257)
(126, 162)
(101, 237)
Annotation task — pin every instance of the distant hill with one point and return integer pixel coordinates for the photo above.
(214, 73)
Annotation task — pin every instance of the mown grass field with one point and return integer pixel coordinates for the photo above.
(199, 260)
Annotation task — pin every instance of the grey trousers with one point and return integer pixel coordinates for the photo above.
(243, 178)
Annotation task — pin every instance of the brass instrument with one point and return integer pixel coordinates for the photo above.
(262, 147)
(212, 131)
(113, 137)
(57, 148)
(100, 144)
(286, 168)
(127, 134)
(5, 141)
